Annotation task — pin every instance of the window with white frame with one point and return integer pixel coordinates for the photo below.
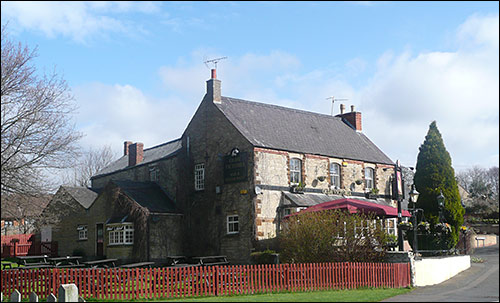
(295, 171)
(369, 177)
(233, 224)
(335, 175)
(199, 176)
(390, 226)
(121, 234)
(361, 228)
(82, 232)
(154, 173)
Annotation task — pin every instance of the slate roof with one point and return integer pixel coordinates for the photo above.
(277, 127)
(150, 155)
(82, 195)
(149, 195)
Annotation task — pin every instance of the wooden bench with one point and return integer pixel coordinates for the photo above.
(211, 260)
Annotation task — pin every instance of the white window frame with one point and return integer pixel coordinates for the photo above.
(154, 173)
(390, 226)
(369, 179)
(199, 176)
(335, 177)
(233, 224)
(121, 234)
(295, 172)
(83, 233)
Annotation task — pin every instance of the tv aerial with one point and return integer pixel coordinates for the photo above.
(214, 61)
(333, 100)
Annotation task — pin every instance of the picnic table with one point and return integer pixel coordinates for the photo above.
(178, 261)
(137, 265)
(105, 263)
(29, 262)
(66, 262)
(211, 260)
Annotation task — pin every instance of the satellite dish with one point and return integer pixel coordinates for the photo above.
(258, 190)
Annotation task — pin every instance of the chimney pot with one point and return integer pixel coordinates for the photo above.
(352, 108)
(135, 153)
(342, 108)
(214, 73)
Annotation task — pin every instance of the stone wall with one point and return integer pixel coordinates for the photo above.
(168, 175)
(272, 173)
(166, 236)
(65, 214)
(208, 138)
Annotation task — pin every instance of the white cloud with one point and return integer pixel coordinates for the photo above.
(459, 89)
(79, 21)
(112, 114)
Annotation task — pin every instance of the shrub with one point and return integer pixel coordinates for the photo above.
(332, 236)
(79, 252)
(263, 257)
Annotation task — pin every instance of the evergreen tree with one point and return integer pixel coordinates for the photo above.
(434, 173)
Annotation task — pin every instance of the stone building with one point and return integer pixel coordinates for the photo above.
(238, 168)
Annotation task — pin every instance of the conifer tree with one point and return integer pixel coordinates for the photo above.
(434, 173)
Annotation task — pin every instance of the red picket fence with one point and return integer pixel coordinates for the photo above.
(29, 249)
(148, 283)
(21, 238)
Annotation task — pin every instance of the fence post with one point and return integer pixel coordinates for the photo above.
(51, 298)
(15, 296)
(68, 293)
(33, 297)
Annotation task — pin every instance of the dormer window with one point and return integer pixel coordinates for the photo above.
(335, 175)
(295, 171)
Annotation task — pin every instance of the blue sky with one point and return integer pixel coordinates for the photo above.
(137, 72)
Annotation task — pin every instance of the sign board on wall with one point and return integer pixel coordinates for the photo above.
(235, 168)
(46, 233)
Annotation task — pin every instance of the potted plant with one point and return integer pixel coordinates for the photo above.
(442, 228)
(424, 227)
(405, 225)
(298, 188)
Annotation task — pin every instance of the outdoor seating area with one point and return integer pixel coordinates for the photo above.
(44, 261)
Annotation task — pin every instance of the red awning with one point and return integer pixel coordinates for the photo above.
(355, 206)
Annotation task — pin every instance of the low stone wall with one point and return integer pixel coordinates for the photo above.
(434, 270)
(484, 228)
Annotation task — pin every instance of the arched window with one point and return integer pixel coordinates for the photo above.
(369, 177)
(295, 171)
(335, 175)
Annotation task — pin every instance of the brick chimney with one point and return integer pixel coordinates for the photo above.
(135, 154)
(213, 88)
(125, 147)
(353, 119)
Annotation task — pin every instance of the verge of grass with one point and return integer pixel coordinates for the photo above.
(345, 295)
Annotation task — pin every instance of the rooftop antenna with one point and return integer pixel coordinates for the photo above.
(333, 100)
(214, 61)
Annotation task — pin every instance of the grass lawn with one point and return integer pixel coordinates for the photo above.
(353, 295)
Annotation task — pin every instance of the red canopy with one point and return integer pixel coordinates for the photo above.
(354, 206)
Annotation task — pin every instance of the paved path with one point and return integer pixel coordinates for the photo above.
(479, 283)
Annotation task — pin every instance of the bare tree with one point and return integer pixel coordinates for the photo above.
(482, 186)
(36, 130)
(91, 162)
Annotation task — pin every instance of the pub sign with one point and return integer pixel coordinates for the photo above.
(235, 168)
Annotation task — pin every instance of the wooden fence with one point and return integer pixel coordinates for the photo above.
(15, 249)
(148, 283)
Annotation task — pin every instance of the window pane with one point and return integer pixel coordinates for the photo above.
(295, 170)
(335, 175)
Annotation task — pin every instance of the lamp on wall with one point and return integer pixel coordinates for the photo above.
(321, 178)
